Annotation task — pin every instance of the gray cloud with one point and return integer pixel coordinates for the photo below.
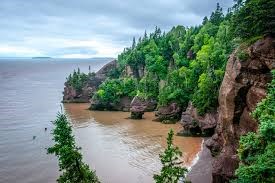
(97, 27)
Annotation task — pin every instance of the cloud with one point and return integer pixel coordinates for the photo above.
(98, 27)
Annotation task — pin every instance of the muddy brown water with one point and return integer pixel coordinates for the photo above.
(119, 149)
(125, 150)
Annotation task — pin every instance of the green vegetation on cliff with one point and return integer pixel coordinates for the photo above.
(77, 80)
(111, 90)
(256, 150)
(69, 158)
(184, 64)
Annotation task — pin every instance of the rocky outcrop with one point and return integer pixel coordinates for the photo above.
(196, 125)
(169, 114)
(243, 86)
(71, 95)
(137, 112)
(106, 69)
(140, 105)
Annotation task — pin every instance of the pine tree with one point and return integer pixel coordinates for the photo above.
(205, 20)
(145, 37)
(172, 170)
(253, 18)
(134, 43)
(69, 157)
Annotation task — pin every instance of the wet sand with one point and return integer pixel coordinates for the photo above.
(201, 171)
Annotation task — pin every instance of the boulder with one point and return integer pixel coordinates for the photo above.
(137, 112)
(243, 86)
(196, 125)
(169, 114)
(140, 105)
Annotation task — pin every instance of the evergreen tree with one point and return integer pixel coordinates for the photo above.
(172, 170)
(253, 18)
(205, 20)
(134, 43)
(217, 16)
(69, 158)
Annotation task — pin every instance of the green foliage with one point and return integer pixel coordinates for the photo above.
(77, 80)
(177, 88)
(188, 63)
(256, 150)
(148, 87)
(242, 55)
(171, 170)
(69, 158)
(114, 73)
(111, 90)
(253, 18)
(208, 83)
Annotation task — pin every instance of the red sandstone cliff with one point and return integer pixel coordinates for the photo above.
(243, 86)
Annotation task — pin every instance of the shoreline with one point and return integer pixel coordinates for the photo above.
(201, 169)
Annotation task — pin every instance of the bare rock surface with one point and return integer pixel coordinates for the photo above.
(169, 113)
(140, 105)
(196, 125)
(243, 86)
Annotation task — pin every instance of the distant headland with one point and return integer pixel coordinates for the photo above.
(41, 57)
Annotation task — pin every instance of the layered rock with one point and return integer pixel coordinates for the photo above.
(243, 86)
(169, 114)
(71, 95)
(196, 125)
(140, 105)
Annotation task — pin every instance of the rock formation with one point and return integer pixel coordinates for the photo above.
(140, 105)
(243, 86)
(71, 95)
(169, 113)
(196, 125)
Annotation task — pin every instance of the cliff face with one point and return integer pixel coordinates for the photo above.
(71, 95)
(243, 86)
(196, 125)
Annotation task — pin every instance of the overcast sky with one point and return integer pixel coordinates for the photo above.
(90, 28)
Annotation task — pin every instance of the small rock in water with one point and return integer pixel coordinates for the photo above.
(33, 137)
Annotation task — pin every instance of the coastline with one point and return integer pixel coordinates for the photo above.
(201, 169)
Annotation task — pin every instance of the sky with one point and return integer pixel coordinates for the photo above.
(90, 28)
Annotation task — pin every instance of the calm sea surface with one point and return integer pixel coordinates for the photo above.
(121, 150)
